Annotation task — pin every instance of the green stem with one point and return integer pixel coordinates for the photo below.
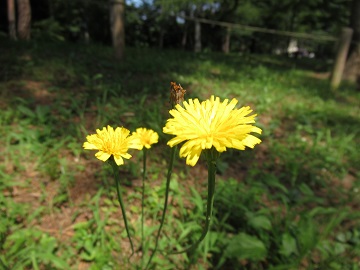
(168, 177)
(117, 180)
(211, 161)
(142, 207)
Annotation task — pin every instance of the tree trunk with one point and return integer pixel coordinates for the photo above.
(226, 41)
(340, 60)
(24, 19)
(197, 36)
(352, 69)
(117, 22)
(11, 19)
(355, 24)
(184, 36)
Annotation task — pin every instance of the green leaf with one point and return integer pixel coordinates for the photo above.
(335, 266)
(288, 245)
(339, 248)
(98, 76)
(81, 225)
(26, 111)
(58, 262)
(244, 246)
(259, 222)
(191, 227)
(273, 181)
(174, 185)
(197, 200)
(307, 235)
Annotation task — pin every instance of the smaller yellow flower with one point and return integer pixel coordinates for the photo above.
(112, 142)
(147, 137)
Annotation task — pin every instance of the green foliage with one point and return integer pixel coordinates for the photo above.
(92, 241)
(32, 248)
(291, 203)
(244, 246)
(48, 29)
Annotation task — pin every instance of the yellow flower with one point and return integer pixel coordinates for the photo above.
(147, 137)
(208, 124)
(112, 142)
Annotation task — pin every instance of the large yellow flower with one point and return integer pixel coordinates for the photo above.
(112, 142)
(208, 124)
(147, 137)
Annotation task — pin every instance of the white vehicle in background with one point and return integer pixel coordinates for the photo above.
(294, 50)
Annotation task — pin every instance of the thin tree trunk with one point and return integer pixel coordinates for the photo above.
(24, 19)
(86, 34)
(290, 26)
(226, 42)
(11, 19)
(117, 22)
(184, 36)
(340, 60)
(197, 36)
(352, 69)
(355, 25)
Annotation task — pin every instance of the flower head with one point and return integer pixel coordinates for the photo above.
(112, 142)
(208, 124)
(147, 137)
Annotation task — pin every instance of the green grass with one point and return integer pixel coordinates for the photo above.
(291, 203)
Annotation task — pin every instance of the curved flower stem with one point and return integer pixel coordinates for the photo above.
(117, 180)
(142, 207)
(211, 161)
(168, 177)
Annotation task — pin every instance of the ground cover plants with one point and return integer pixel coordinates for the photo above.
(290, 203)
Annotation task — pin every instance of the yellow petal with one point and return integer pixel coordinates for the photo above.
(118, 160)
(251, 141)
(126, 155)
(89, 146)
(102, 156)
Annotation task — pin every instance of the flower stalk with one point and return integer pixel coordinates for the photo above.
(211, 156)
(143, 205)
(118, 191)
(168, 178)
